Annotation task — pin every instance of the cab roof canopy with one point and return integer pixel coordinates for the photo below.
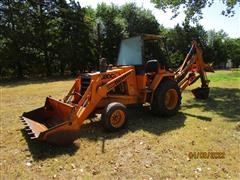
(151, 37)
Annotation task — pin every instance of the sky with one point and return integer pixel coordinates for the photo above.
(212, 18)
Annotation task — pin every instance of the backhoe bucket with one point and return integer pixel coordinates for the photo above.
(201, 93)
(50, 123)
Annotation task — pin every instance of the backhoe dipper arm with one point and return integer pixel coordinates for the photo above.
(193, 68)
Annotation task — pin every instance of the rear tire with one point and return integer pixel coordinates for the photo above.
(114, 116)
(167, 99)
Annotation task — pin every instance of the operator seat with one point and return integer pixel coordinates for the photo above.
(152, 66)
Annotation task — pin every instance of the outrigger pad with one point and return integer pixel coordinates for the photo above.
(201, 93)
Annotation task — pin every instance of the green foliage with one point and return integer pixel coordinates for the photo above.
(120, 22)
(138, 20)
(44, 38)
(193, 9)
(217, 49)
(15, 31)
(233, 50)
(178, 42)
(49, 37)
(110, 30)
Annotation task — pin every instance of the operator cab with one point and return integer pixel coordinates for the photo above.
(143, 52)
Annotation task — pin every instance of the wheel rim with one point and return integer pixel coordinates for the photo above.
(117, 118)
(171, 99)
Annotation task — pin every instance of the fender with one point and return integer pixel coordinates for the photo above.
(157, 80)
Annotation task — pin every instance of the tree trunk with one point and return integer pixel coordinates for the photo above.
(47, 63)
(62, 67)
(19, 69)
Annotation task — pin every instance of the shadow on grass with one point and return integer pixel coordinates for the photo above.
(41, 150)
(138, 119)
(222, 101)
(203, 118)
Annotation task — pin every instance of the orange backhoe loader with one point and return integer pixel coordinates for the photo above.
(134, 80)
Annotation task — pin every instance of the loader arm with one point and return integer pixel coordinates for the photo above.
(58, 122)
(94, 95)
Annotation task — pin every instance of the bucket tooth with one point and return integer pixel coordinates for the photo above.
(24, 122)
(33, 137)
(27, 128)
(46, 123)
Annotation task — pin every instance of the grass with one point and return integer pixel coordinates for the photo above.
(150, 148)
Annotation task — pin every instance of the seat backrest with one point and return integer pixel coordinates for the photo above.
(152, 66)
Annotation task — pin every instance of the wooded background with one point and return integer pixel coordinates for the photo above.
(58, 37)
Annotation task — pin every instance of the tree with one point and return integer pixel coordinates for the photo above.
(43, 22)
(193, 9)
(217, 51)
(111, 30)
(15, 32)
(75, 44)
(233, 50)
(178, 42)
(118, 22)
(48, 37)
(138, 20)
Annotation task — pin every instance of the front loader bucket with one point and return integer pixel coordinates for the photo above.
(201, 93)
(50, 123)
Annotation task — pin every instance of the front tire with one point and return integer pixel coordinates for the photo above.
(167, 99)
(114, 116)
